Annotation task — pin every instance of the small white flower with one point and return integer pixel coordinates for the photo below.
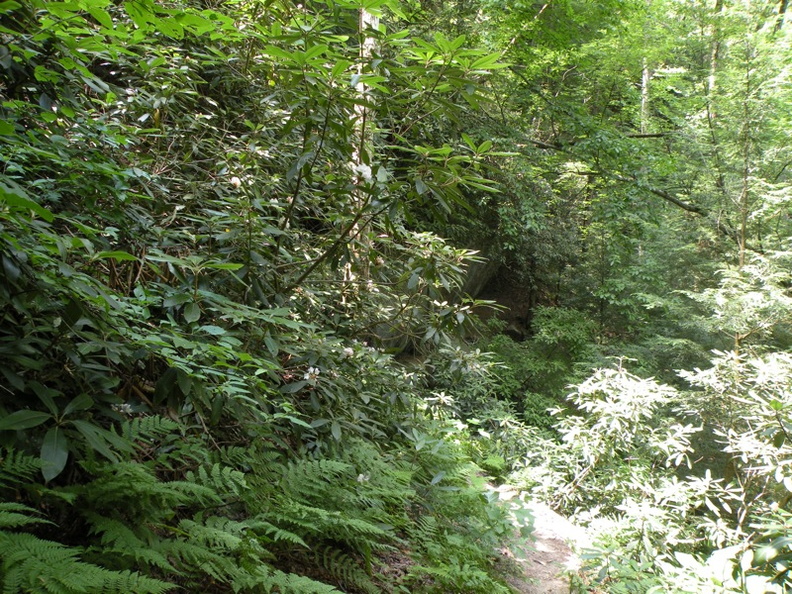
(363, 171)
(348, 352)
(312, 375)
(124, 409)
(236, 182)
(363, 478)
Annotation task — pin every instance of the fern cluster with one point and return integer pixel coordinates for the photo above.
(285, 524)
(32, 564)
(145, 534)
(192, 396)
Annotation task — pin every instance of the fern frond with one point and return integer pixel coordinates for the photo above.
(275, 534)
(217, 532)
(299, 515)
(278, 581)
(298, 584)
(119, 539)
(322, 524)
(11, 518)
(246, 458)
(124, 582)
(350, 529)
(194, 493)
(197, 559)
(425, 528)
(131, 488)
(314, 479)
(147, 428)
(17, 468)
(455, 576)
(30, 564)
(345, 569)
(222, 479)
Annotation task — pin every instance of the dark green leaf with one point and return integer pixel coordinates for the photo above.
(46, 395)
(101, 16)
(184, 381)
(81, 402)
(9, 6)
(138, 13)
(54, 453)
(174, 300)
(16, 381)
(23, 419)
(93, 435)
(271, 344)
(293, 387)
(10, 267)
(295, 421)
(165, 385)
(192, 312)
(196, 24)
(15, 196)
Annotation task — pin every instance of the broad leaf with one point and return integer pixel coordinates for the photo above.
(23, 419)
(54, 453)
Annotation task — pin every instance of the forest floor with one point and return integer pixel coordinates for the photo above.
(545, 559)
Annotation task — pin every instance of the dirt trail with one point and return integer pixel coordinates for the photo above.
(546, 560)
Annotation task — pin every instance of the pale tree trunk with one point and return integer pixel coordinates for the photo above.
(362, 150)
(646, 76)
(368, 23)
(715, 49)
(744, 204)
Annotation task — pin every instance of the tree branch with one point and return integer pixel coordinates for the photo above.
(721, 227)
(663, 194)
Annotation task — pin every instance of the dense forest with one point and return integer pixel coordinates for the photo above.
(288, 289)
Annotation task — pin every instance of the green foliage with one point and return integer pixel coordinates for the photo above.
(457, 556)
(219, 228)
(536, 411)
(722, 525)
(751, 303)
(31, 564)
(208, 240)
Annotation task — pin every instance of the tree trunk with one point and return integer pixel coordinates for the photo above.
(362, 152)
(645, 77)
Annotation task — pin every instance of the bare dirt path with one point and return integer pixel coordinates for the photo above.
(546, 559)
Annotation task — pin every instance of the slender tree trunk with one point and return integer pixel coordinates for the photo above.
(782, 9)
(718, 169)
(645, 77)
(715, 49)
(362, 149)
(746, 145)
(744, 200)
